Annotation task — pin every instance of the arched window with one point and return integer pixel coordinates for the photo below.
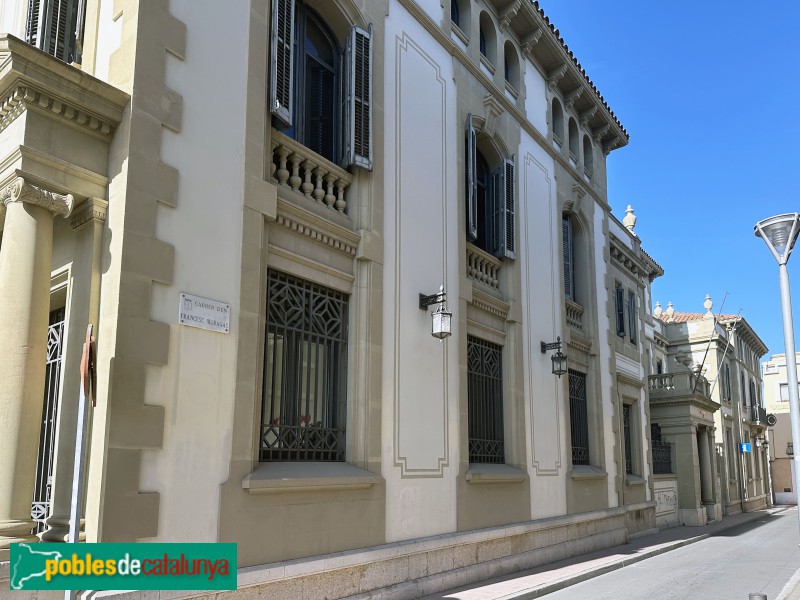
(511, 65)
(588, 156)
(488, 38)
(455, 14)
(574, 150)
(558, 121)
(317, 98)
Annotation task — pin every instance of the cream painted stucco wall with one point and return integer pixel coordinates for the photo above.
(539, 260)
(196, 385)
(420, 374)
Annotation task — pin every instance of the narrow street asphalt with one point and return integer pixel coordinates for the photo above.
(760, 556)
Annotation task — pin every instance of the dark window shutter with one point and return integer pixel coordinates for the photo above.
(358, 98)
(282, 61)
(566, 241)
(632, 316)
(51, 25)
(620, 306)
(472, 182)
(505, 199)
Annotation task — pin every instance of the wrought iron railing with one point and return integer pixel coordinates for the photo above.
(40, 506)
(578, 418)
(485, 401)
(662, 457)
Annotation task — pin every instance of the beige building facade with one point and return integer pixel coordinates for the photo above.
(781, 445)
(308, 181)
(708, 402)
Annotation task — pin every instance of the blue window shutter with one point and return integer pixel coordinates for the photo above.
(566, 241)
(508, 246)
(358, 99)
(281, 94)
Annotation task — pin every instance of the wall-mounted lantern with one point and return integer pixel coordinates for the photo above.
(441, 317)
(559, 358)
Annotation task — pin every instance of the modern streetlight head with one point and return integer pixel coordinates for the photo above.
(779, 233)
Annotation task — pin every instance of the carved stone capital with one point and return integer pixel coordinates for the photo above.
(554, 76)
(20, 190)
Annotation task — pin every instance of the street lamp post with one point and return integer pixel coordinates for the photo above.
(780, 233)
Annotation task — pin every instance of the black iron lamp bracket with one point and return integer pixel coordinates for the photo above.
(551, 345)
(426, 301)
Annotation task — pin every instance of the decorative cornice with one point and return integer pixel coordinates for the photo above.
(24, 97)
(580, 343)
(316, 234)
(21, 191)
(92, 209)
(599, 133)
(489, 304)
(586, 116)
(610, 145)
(529, 43)
(554, 76)
(570, 98)
(508, 14)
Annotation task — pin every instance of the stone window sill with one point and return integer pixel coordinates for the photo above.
(284, 477)
(664, 476)
(634, 480)
(587, 472)
(484, 473)
(459, 33)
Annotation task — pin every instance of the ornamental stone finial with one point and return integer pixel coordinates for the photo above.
(658, 310)
(20, 190)
(670, 310)
(630, 219)
(708, 304)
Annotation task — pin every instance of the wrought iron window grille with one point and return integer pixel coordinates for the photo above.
(578, 418)
(485, 401)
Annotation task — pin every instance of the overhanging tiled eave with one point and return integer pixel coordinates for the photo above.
(68, 119)
(541, 43)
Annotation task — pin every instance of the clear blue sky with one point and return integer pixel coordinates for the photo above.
(710, 95)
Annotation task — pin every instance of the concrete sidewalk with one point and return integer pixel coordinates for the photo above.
(534, 583)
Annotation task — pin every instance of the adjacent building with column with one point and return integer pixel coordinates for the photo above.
(781, 445)
(253, 228)
(706, 400)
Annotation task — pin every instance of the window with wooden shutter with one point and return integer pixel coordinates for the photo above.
(282, 60)
(507, 242)
(51, 26)
(358, 102)
(566, 242)
(619, 297)
(472, 181)
(632, 316)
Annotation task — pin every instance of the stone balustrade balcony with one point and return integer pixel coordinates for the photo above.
(679, 385)
(483, 267)
(304, 171)
(574, 313)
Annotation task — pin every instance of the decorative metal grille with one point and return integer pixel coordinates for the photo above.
(40, 507)
(305, 371)
(578, 418)
(485, 401)
(662, 451)
(628, 434)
